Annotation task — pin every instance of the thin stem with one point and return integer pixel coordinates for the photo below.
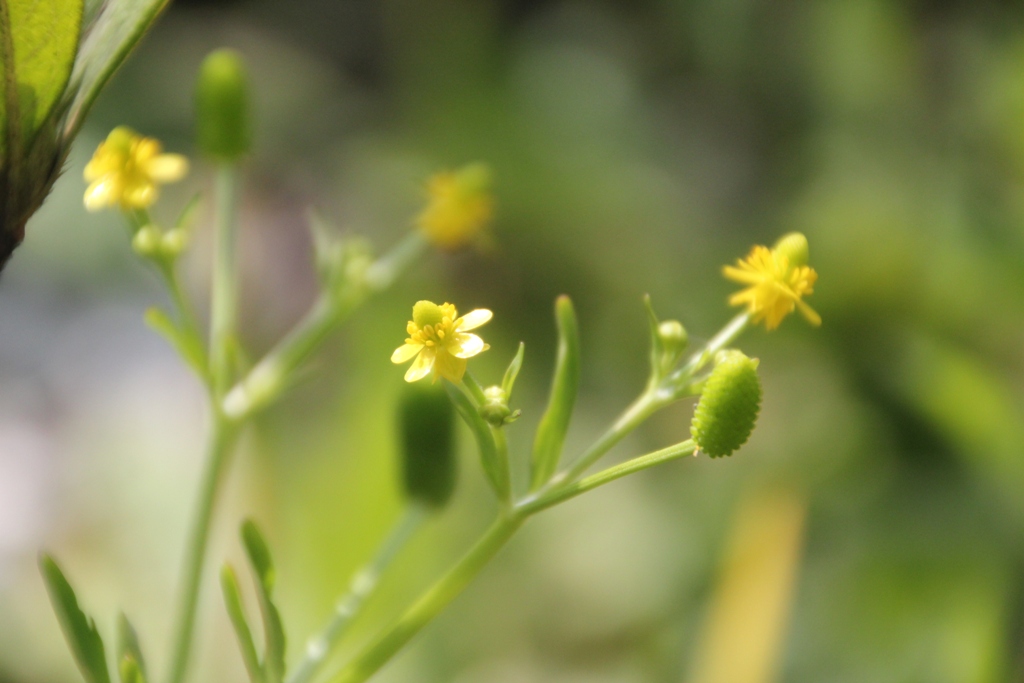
(652, 400)
(388, 267)
(223, 436)
(363, 585)
(564, 493)
(224, 306)
(273, 373)
(638, 411)
(430, 604)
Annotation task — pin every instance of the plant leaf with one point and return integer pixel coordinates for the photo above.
(233, 603)
(129, 653)
(509, 380)
(117, 28)
(79, 630)
(188, 348)
(259, 556)
(497, 474)
(38, 41)
(547, 445)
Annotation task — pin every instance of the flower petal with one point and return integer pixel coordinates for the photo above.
(167, 168)
(405, 352)
(466, 345)
(422, 366)
(473, 320)
(809, 313)
(101, 193)
(450, 367)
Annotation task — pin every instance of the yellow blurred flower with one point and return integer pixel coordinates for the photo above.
(126, 169)
(440, 341)
(459, 206)
(777, 282)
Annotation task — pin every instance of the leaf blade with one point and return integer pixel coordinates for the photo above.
(79, 630)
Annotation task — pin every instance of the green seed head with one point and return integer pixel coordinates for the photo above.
(222, 106)
(427, 431)
(728, 407)
(426, 313)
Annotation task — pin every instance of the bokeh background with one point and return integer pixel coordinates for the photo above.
(870, 531)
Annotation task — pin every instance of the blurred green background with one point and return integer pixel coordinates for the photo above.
(872, 529)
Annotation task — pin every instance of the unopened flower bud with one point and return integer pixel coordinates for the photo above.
(222, 106)
(794, 247)
(146, 241)
(427, 426)
(495, 408)
(728, 407)
(174, 242)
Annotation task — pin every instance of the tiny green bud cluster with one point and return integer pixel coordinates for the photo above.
(152, 243)
(495, 408)
(728, 407)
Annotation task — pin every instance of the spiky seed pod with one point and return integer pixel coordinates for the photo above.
(223, 118)
(427, 432)
(728, 407)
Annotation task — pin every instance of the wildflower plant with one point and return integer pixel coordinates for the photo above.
(439, 346)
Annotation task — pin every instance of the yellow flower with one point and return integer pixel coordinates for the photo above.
(777, 280)
(126, 169)
(459, 206)
(440, 342)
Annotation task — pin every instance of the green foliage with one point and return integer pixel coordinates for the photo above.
(495, 470)
(236, 612)
(263, 567)
(38, 41)
(547, 444)
(132, 665)
(427, 443)
(83, 638)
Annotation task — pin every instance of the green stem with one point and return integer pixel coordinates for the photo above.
(430, 604)
(224, 306)
(264, 383)
(652, 400)
(223, 436)
(437, 597)
(363, 585)
(564, 493)
(638, 411)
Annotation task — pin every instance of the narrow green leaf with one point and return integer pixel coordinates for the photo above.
(657, 348)
(38, 42)
(259, 556)
(547, 445)
(118, 27)
(128, 649)
(188, 348)
(236, 612)
(187, 216)
(497, 475)
(79, 630)
(512, 372)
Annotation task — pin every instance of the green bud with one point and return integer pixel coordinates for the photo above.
(174, 242)
(794, 247)
(495, 408)
(222, 106)
(728, 407)
(427, 432)
(147, 240)
(426, 313)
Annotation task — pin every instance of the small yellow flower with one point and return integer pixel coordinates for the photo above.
(440, 341)
(777, 280)
(126, 169)
(459, 206)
